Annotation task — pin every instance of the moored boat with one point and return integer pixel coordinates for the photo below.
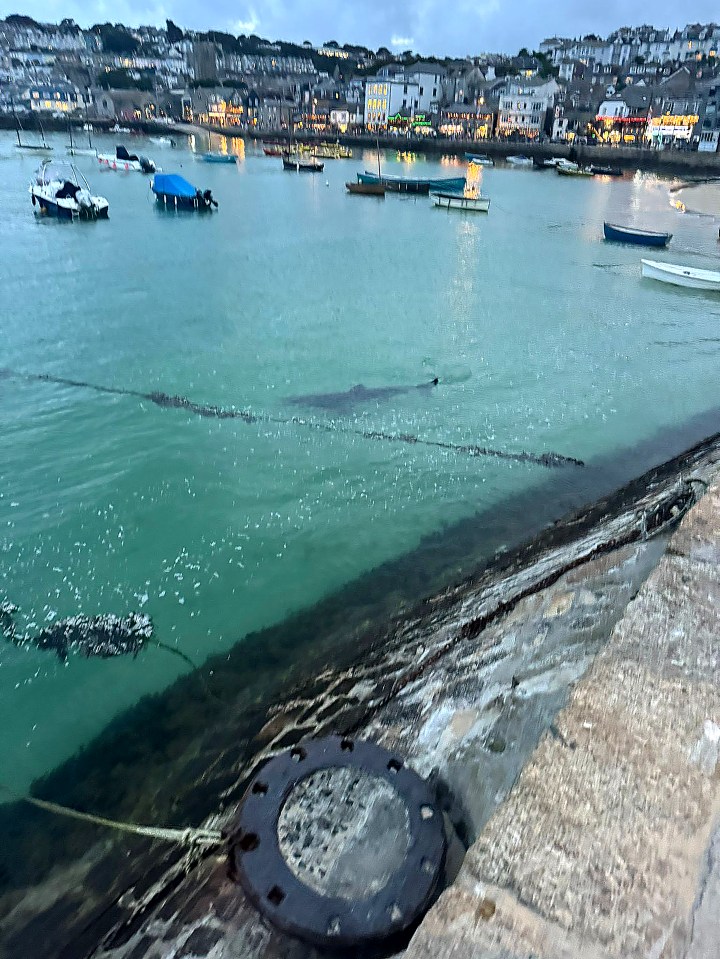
(60, 190)
(519, 160)
(301, 164)
(219, 157)
(458, 201)
(272, 149)
(126, 162)
(174, 191)
(366, 189)
(629, 234)
(481, 159)
(401, 184)
(332, 151)
(679, 275)
(568, 168)
(470, 200)
(605, 170)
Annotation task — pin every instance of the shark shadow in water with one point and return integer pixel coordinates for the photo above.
(347, 400)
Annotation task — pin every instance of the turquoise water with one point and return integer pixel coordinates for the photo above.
(544, 339)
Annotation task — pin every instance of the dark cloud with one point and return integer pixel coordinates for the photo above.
(426, 26)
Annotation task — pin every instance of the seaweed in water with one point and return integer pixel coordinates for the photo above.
(103, 636)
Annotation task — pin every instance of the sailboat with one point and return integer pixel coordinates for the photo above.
(88, 151)
(369, 189)
(30, 147)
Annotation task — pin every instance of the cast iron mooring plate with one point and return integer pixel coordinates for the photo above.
(326, 920)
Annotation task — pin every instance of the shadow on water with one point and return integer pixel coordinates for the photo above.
(175, 757)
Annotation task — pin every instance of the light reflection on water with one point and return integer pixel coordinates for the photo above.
(544, 338)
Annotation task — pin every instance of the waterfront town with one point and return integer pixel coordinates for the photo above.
(639, 86)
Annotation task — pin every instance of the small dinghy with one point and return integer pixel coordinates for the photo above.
(302, 164)
(519, 161)
(60, 190)
(126, 162)
(470, 200)
(568, 168)
(219, 157)
(173, 191)
(628, 234)
(681, 275)
(482, 159)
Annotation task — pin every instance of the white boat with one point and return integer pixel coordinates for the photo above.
(126, 162)
(470, 199)
(162, 141)
(568, 168)
(76, 151)
(681, 275)
(520, 160)
(60, 190)
(118, 129)
(457, 201)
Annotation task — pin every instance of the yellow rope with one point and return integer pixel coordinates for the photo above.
(188, 836)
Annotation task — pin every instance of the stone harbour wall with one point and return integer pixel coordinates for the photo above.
(609, 843)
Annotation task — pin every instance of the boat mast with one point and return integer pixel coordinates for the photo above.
(377, 141)
(12, 104)
(42, 133)
(72, 145)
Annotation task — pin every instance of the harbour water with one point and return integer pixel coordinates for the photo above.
(543, 338)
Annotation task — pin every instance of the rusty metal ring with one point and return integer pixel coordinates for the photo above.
(258, 865)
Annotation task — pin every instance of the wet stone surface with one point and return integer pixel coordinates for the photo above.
(344, 832)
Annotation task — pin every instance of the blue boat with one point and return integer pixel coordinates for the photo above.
(219, 157)
(482, 159)
(628, 234)
(173, 190)
(404, 184)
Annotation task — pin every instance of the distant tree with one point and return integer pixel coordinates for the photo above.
(227, 41)
(116, 39)
(20, 20)
(68, 25)
(174, 33)
(639, 60)
(524, 52)
(122, 80)
(332, 43)
(383, 54)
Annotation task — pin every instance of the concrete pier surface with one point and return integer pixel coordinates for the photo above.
(609, 843)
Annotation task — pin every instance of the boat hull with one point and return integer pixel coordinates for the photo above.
(366, 189)
(479, 160)
(449, 201)
(68, 209)
(519, 161)
(411, 185)
(676, 275)
(619, 234)
(302, 166)
(219, 158)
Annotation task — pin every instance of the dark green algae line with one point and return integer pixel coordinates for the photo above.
(166, 401)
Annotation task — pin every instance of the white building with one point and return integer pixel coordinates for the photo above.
(415, 89)
(523, 107)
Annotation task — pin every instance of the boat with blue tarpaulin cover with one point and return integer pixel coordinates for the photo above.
(173, 190)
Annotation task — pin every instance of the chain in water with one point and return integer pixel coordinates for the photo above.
(168, 401)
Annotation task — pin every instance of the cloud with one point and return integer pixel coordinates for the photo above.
(250, 25)
(428, 26)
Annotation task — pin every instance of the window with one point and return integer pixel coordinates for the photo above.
(434, 91)
(405, 88)
(421, 91)
(536, 120)
(537, 106)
